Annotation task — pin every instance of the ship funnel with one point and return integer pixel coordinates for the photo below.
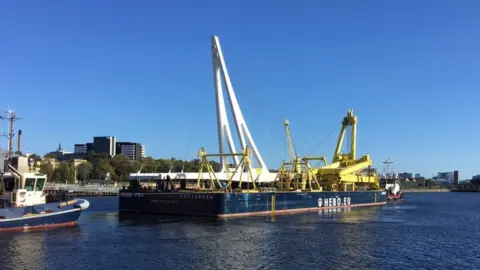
(19, 141)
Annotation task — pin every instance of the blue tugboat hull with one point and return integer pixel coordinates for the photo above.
(243, 204)
(58, 214)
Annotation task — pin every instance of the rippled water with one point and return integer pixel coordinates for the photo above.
(426, 231)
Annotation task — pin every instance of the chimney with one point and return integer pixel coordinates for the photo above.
(19, 140)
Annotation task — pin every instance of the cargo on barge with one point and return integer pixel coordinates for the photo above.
(247, 190)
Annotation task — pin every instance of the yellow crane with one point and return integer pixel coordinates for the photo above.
(298, 170)
(346, 172)
(294, 158)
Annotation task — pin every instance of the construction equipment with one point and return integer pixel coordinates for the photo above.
(244, 166)
(296, 174)
(346, 172)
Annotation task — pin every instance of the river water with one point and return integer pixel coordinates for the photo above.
(425, 231)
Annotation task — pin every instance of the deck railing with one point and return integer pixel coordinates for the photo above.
(82, 188)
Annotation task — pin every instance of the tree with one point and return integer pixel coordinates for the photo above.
(163, 165)
(84, 170)
(101, 168)
(65, 173)
(122, 167)
(149, 165)
(50, 155)
(48, 169)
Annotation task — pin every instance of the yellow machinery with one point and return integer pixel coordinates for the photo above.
(243, 166)
(296, 174)
(346, 172)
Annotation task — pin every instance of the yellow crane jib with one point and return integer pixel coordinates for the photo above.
(346, 170)
(291, 148)
(349, 120)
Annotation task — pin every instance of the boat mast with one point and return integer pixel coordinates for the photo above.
(11, 118)
(387, 170)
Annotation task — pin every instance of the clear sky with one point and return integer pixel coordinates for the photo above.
(141, 71)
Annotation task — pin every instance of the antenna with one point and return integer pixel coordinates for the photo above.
(387, 168)
(11, 118)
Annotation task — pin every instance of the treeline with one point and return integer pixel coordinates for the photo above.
(423, 183)
(98, 166)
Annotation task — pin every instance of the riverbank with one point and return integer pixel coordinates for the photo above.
(427, 190)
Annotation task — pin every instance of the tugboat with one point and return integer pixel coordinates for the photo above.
(24, 205)
(389, 181)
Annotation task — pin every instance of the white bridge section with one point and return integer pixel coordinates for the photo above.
(261, 173)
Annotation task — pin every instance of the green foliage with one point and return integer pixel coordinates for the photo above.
(98, 165)
(50, 155)
(36, 158)
(121, 167)
(84, 170)
(64, 173)
(48, 169)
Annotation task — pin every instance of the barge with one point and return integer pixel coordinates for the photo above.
(346, 182)
(249, 188)
(229, 204)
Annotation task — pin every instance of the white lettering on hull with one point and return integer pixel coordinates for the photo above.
(334, 201)
(196, 197)
(130, 195)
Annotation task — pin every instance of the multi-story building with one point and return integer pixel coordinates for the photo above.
(105, 145)
(90, 147)
(130, 150)
(445, 176)
(109, 145)
(142, 151)
(405, 176)
(80, 149)
(456, 179)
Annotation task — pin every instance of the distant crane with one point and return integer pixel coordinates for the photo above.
(294, 158)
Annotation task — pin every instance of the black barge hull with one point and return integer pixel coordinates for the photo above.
(217, 204)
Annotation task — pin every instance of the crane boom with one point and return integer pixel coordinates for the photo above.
(291, 146)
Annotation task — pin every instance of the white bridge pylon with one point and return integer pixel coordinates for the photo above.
(220, 75)
(224, 133)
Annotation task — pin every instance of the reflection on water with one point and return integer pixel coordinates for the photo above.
(18, 249)
(437, 230)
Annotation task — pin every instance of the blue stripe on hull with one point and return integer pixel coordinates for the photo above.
(230, 204)
(42, 215)
(41, 221)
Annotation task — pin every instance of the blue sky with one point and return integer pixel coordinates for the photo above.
(142, 72)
